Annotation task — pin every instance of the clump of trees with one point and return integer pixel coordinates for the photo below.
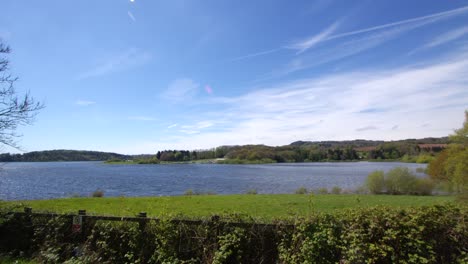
(451, 166)
(399, 180)
(186, 155)
(151, 160)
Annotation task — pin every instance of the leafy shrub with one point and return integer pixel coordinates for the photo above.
(251, 191)
(380, 235)
(152, 160)
(301, 190)
(376, 182)
(314, 241)
(423, 186)
(424, 158)
(230, 250)
(398, 181)
(322, 191)
(433, 234)
(98, 193)
(189, 192)
(336, 190)
(407, 158)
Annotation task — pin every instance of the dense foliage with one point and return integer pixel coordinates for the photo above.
(436, 234)
(398, 180)
(451, 165)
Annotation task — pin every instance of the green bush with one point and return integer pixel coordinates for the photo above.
(189, 192)
(435, 234)
(398, 180)
(424, 158)
(424, 186)
(152, 160)
(322, 191)
(98, 193)
(380, 235)
(251, 191)
(336, 190)
(301, 190)
(407, 158)
(376, 182)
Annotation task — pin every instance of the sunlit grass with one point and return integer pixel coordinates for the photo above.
(258, 206)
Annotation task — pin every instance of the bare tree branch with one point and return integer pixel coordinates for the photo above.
(15, 109)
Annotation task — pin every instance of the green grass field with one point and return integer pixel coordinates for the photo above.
(257, 206)
(12, 260)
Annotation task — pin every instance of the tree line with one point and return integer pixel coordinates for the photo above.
(307, 151)
(62, 155)
(301, 151)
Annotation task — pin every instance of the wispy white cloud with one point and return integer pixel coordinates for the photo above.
(123, 61)
(252, 55)
(338, 51)
(308, 43)
(181, 90)
(428, 18)
(189, 132)
(447, 37)
(195, 128)
(131, 16)
(341, 50)
(327, 36)
(172, 126)
(84, 102)
(366, 128)
(333, 108)
(142, 118)
(203, 124)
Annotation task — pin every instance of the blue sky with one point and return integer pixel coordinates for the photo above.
(141, 76)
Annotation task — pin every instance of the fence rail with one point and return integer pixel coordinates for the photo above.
(142, 219)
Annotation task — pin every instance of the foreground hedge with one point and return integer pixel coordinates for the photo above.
(436, 234)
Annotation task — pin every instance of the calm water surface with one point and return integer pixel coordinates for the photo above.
(35, 180)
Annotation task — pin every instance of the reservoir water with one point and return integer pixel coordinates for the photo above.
(44, 180)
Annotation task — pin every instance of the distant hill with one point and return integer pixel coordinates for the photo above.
(298, 151)
(359, 149)
(359, 143)
(62, 155)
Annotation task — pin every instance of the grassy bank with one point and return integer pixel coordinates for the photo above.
(258, 206)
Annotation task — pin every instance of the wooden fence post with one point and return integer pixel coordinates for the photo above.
(142, 222)
(28, 210)
(78, 224)
(28, 217)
